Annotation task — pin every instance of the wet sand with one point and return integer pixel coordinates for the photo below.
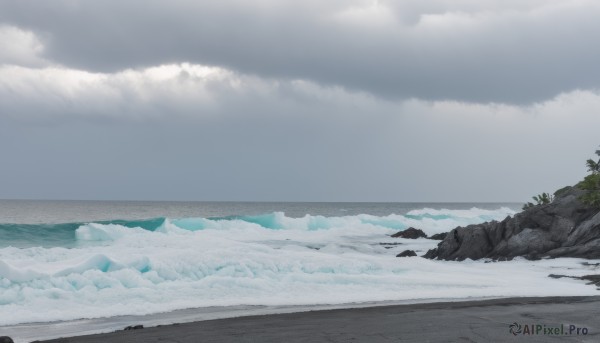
(466, 321)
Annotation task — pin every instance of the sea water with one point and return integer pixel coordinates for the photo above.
(68, 260)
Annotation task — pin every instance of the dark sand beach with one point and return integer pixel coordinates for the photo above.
(468, 321)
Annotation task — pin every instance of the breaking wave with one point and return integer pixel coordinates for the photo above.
(67, 234)
(91, 270)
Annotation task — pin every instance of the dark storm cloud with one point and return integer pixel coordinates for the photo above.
(475, 51)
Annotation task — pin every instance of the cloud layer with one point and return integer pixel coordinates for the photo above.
(318, 101)
(474, 51)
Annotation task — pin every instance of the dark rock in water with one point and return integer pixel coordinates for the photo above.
(439, 236)
(593, 279)
(407, 253)
(134, 327)
(431, 254)
(563, 228)
(411, 233)
(556, 276)
(6, 339)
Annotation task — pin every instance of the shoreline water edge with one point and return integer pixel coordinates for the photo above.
(569, 319)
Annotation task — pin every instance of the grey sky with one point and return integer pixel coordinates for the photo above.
(274, 100)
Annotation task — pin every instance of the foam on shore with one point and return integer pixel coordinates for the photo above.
(268, 260)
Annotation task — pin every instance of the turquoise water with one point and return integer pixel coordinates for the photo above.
(26, 223)
(69, 260)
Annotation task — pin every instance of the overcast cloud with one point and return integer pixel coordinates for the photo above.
(319, 101)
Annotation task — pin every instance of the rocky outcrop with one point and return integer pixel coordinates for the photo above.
(410, 233)
(407, 253)
(439, 236)
(563, 228)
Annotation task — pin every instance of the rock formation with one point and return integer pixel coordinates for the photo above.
(439, 236)
(563, 228)
(407, 253)
(410, 233)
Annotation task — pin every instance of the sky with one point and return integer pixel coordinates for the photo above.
(271, 100)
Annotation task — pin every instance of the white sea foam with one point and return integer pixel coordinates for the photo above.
(286, 261)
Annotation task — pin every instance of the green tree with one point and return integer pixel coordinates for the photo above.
(591, 183)
(543, 198)
(593, 166)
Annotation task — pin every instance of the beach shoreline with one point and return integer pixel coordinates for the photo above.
(475, 320)
(26, 332)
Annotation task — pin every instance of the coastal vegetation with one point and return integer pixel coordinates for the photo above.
(540, 199)
(591, 184)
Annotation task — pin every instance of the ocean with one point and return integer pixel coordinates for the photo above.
(74, 260)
